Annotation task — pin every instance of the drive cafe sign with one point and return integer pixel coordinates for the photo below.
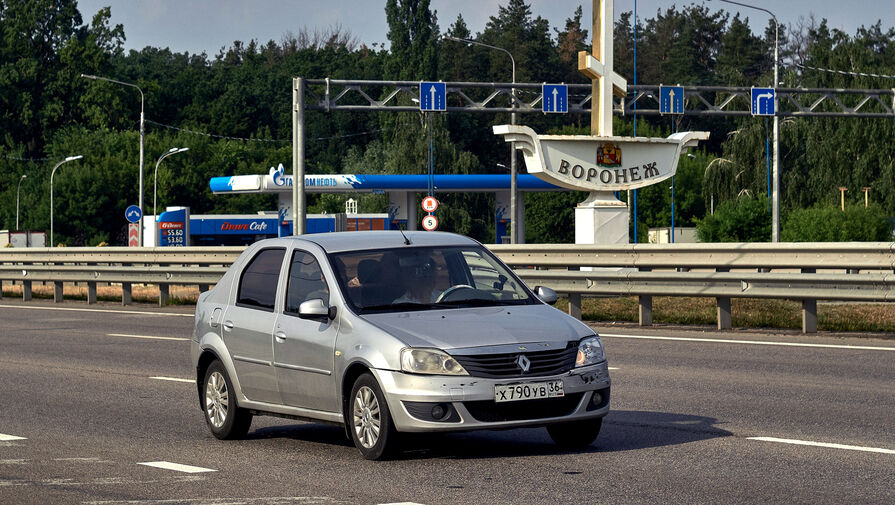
(592, 163)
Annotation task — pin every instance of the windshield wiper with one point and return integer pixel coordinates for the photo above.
(400, 306)
(476, 302)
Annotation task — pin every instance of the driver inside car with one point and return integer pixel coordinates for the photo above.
(421, 284)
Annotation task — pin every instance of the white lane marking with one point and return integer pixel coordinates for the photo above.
(13, 461)
(10, 438)
(273, 500)
(613, 368)
(149, 337)
(402, 503)
(101, 481)
(173, 379)
(823, 444)
(752, 342)
(177, 467)
(106, 311)
(82, 460)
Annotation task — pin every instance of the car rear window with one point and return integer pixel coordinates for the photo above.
(258, 285)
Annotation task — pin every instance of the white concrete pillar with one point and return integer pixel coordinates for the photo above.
(601, 219)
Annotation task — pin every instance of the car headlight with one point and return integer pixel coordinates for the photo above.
(430, 361)
(590, 351)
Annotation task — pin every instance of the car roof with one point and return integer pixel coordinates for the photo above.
(335, 242)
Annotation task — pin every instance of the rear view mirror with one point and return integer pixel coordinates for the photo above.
(315, 309)
(546, 294)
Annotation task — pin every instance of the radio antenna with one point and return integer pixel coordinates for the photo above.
(406, 240)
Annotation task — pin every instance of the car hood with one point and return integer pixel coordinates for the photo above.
(481, 326)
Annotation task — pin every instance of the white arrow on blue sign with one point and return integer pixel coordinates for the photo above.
(133, 214)
(555, 98)
(671, 99)
(433, 97)
(763, 100)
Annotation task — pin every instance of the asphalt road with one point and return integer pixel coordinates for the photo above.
(693, 421)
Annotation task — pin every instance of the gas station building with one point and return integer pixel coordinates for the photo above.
(177, 227)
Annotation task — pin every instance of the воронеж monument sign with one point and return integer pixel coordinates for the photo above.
(590, 163)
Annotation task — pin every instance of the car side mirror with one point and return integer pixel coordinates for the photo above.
(546, 295)
(315, 309)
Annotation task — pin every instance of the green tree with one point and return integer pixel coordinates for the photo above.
(830, 224)
(745, 219)
(742, 57)
(43, 47)
(413, 33)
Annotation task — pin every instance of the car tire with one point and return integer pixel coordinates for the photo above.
(369, 419)
(575, 434)
(225, 418)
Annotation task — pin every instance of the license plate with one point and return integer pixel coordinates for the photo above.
(527, 391)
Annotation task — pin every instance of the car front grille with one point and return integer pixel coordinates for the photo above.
(492, 366)
(489, 411)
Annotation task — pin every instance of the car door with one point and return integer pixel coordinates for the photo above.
(249, 325)
(304, 348)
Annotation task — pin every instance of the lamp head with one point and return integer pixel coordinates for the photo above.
(73, 158)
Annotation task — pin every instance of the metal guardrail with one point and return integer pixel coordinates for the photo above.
(848, 272)
(162, 266)
(797, 271)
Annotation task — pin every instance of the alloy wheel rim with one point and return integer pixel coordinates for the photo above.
(367, 417)
(217, 400)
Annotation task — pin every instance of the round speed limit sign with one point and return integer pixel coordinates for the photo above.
(430, 223)
(430, 204)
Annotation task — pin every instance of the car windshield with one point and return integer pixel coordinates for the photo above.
(426, 278)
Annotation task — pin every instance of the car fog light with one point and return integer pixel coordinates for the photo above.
(596, 399)
(438, 411)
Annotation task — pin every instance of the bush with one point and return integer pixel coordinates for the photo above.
(745, 219)
(831, 224)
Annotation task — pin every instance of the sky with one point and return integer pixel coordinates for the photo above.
(195, 26)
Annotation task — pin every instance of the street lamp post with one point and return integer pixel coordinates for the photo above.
(775, 214)
(142, 130)
(173, 150)
(52, 174)
(19, 188)
(514, 189)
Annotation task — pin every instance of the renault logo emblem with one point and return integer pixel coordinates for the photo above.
(523, 363)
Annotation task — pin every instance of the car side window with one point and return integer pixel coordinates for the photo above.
(258, 284)
(306, 282)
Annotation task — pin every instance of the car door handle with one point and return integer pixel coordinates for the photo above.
(228, 325)
(280, 336)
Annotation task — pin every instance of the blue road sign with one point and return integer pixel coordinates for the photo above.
(433, 96)
(671, 99)
(555, 98)
(763, 101)
(133, 214)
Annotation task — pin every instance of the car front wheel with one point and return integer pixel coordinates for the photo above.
(370, 421)
(224, 417)
(575, 434)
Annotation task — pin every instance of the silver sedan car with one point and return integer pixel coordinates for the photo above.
(386, 333)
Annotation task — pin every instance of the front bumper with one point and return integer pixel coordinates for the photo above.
(470, 405)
